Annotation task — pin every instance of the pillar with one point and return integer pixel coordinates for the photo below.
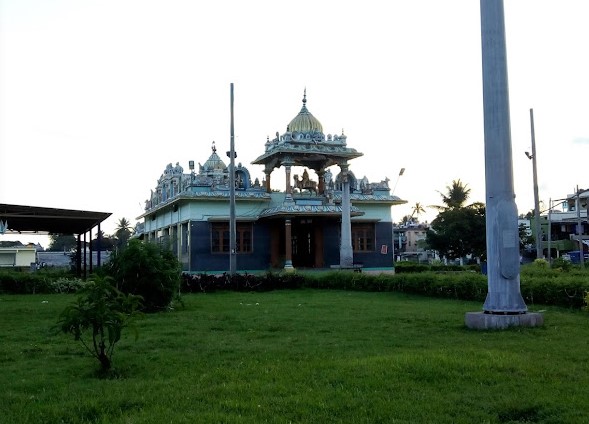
(288, 248)
(288, 187)
(321, 182)
(346, 252)
(268, 172)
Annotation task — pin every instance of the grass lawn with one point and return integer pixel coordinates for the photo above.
(306, 356)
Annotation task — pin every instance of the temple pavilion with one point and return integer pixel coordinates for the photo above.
(319, 220)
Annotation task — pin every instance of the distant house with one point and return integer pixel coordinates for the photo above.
(410, 239)
(299, 227)
(564, 227)
(18, 256)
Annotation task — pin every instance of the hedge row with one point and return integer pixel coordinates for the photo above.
(546, 288)
(38, 282)
(538, 287)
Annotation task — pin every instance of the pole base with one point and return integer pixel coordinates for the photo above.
(483, 321)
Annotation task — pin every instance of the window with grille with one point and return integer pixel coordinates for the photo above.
(363, 237)
(220, 238)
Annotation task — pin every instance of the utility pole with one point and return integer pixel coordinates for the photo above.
(232, 223)
(580, 229)
(538, 228)
(401, 172)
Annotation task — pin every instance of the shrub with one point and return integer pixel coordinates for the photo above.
(15, 282)
(540, 263)
(402, 266)
(103, 312)
(67, 285)
(147, 270)
(208, 283)
(560, 263)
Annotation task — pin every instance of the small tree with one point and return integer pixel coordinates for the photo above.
(102, 312)
(148, 270)
(62, 242)
(457, 232)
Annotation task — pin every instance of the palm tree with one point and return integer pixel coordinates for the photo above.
(417, 210)
(123, 231)
(456, 196)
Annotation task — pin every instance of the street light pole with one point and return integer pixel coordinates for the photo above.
(580, 228)
(401, 172)
(232, 220)
(550, 231)
(538, 229)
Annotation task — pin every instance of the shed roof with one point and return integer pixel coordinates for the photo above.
(21, 218)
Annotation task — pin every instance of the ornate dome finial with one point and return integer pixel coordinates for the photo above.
(213, 147)
(304, 122)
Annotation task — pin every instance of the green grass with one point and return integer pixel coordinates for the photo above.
(306, 356)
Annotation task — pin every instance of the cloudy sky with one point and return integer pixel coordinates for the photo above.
(97, 97)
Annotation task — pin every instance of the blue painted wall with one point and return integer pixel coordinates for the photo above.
(202, 260)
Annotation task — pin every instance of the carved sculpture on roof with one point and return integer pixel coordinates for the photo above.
(305, 183)
(212, 179)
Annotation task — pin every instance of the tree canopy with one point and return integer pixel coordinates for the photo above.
(62, 242)
(123, 231)
(458, 230)
(455, 197)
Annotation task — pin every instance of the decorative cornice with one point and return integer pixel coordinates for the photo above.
(294, 209)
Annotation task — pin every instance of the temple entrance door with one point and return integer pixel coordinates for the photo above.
(303, 243)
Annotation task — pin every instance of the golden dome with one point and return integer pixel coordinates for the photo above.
(304, 122)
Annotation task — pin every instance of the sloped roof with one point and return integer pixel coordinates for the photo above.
(20, 218)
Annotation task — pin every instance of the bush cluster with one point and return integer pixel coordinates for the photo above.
(147, 270)
(406, 267)
(207, 283)
(38, 283)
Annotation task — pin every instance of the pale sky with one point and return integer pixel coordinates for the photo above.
(97, 97)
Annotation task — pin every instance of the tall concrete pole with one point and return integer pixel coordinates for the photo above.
(504, 296)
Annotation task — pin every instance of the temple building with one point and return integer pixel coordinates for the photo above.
(319, 220)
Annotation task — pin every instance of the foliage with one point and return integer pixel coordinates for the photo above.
(208, 283)
(106, 242)
(68, 285)
(407, 219)
(455, 197)
(526, 240)
(538, 286)
(41, 281)
(457, 232)
(417, 210)
(103, 311)
(123, 232)
(540, 263)
(62, 242)
(562, 264)
(148, 270)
